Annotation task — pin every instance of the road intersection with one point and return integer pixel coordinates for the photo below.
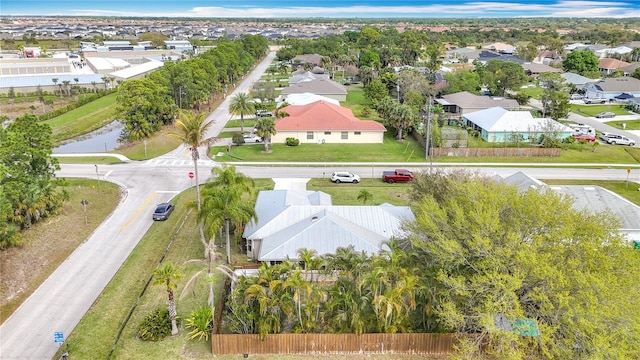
(63, 299)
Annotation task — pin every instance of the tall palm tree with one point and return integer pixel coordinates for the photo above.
(55, 81)
(266, 128)
(192, 133)
(225, 204)
(168, 275)
(242, 105)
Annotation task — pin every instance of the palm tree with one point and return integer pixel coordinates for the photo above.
(55, 81)
(242, 105)
(66, 87)
(266, 128)
(225, 204)
(365, 195)
(168, 275)
(93, 83)
(192, 133)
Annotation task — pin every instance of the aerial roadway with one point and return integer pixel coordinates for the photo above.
(63, 299)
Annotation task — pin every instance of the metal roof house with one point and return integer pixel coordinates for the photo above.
(589, 198)
(500, 125)
(290, 220)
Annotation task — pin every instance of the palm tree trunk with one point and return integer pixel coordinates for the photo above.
(173, 313)
(228, 241)
(209, 271)
(194, 156)
(242, 123)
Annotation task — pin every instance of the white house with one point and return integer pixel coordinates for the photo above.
(500, 125)
(290, 220)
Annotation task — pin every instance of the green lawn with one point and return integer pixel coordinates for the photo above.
(592, 110)
(88, 160)
(390, 151)
(347, 194)
(84, 119)
(534, 92)
(160, 143)
(249, 122)
(630, 124)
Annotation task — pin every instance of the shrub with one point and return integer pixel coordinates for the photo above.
(155, 326)
(200, 323)
(237, 138)
(292, 141)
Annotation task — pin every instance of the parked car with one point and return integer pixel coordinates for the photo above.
(346, 177)
(252, 138)
(621, 140)
(263, 113)
(604, 136)
(585, 137)
(163, 211)
(398, 175)
(576, 97)
(605, 115)
(594, 100)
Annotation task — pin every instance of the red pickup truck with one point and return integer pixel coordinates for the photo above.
(398, 175)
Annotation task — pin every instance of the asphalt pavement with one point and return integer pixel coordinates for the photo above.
(63, 299)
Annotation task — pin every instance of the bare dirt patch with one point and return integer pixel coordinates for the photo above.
(20, 107)
(49, 243)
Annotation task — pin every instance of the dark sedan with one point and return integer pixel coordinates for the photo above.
(163, 211)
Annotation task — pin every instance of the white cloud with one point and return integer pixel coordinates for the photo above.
(579, 8)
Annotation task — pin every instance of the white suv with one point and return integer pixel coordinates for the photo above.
(620, 140)
(343, 176)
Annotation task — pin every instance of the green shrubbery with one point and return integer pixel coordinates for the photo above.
(155, 326)
(200, 323)
(292, 141)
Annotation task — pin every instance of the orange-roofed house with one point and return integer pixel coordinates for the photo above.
(323, 122)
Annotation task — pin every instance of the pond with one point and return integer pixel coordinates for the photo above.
(101, 140)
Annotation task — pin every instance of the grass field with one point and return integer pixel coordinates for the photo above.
(391, 151)
(592, 110)
(84, 119)
(88, 160)
(49, 243)
(630, 125)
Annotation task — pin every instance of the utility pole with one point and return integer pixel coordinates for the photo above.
(427, 139)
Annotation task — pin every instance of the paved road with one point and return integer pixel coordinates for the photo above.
(63, 299)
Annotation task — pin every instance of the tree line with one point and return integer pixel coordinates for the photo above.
(521, 273)
(145, 105)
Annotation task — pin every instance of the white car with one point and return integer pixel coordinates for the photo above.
(620, 140)
(252, 139)
(343, 176)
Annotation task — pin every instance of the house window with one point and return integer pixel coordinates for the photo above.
(309, 135)
(327, 132)
(344, 135)
(357, 133)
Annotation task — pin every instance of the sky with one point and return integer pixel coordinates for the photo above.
(325, 8)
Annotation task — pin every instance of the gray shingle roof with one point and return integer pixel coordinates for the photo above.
(317, 86)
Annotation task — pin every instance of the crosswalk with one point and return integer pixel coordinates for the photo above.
(176, 162)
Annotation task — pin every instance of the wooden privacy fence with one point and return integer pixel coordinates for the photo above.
(506, 152)
(334, 343)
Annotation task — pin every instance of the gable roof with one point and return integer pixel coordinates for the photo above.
(576, 79)
(270, 204)
(317, 86)
(323, 116)
(308, 58)
(287, 227)
(467, 100)
(497, 119)
(621, 84)
(585, 197)
(301, 76)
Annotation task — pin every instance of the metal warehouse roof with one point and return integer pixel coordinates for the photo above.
(47, 80)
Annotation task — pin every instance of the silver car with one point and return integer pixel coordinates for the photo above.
(343, 176)
(620, 140)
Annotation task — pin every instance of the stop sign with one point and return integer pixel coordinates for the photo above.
(191, 175)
